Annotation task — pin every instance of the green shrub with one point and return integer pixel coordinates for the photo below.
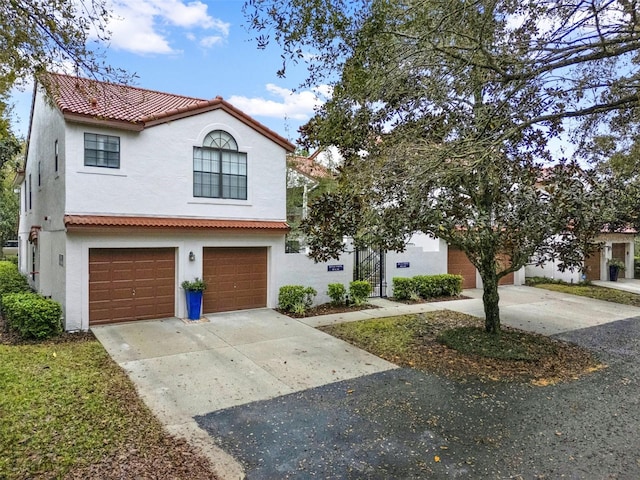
(11, 259)
(197, 285)
(427, 286)
(295, 298)
(11, 280)
(443, 285)
(337, 292)
(405, 288)
(359, 291)
(32, 315)
(531, 281)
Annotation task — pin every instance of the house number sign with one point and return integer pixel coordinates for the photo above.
(402, 265)
(335, 268)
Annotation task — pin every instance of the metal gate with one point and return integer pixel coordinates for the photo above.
(369, 266)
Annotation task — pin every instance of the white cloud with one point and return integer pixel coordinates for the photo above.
(143, 26)
(295, 105)
(209, 42)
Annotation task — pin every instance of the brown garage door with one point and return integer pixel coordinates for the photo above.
(503, 262)
(128, 284)
(459, 264)
(236, 279)
(592, 266)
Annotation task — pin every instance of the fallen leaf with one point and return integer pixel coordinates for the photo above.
(436, 459)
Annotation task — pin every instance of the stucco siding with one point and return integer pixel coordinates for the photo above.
(156, 172)
(42, 192)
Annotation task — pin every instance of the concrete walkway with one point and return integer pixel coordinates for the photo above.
(627, 284)
(183, 370)
(527, 308)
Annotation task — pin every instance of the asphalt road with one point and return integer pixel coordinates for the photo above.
(403, 424)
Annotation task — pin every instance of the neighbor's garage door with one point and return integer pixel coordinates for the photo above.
(131, 284)
(508, 278)
(592, 266)
(236, 279)
(459, 264)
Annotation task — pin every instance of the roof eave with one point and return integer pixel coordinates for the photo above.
(102, 122)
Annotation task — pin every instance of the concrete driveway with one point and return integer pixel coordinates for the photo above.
(182, 370)
(186, 370)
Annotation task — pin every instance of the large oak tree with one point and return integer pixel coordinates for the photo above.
(444, 111)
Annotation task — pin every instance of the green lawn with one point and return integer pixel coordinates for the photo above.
(65, 405)
(455, 345)
(593, 291)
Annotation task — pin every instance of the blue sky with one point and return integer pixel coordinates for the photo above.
(201, 49)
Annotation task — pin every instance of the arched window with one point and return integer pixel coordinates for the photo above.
(219, 169)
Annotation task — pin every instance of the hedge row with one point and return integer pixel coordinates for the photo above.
(427, 286)
(28, 313)
(32, 315)
(11, 280)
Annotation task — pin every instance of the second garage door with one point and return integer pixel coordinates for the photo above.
(236, 279)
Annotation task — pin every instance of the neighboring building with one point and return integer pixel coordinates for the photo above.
(128, 192)
(618, 245)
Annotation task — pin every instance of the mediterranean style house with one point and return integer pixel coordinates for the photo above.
(128, 192)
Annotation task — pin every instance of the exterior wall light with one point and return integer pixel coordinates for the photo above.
(192, 256)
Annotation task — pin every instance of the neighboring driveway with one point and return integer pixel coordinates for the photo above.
(292, 402)
(527, 308)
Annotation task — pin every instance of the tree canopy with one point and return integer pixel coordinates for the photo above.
(52, 34)
(444, 111)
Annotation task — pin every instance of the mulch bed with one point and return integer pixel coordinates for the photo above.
(564, 361)
(328, 309)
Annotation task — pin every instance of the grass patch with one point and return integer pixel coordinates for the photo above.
(455, 345)
(66, 407)
(389, 337)
(594, 291)
(508, 345)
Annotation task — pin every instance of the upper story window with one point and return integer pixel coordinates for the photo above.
(219, 169)
(101, 150)
(56, 156)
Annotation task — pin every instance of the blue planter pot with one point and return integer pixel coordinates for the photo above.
(194, 304)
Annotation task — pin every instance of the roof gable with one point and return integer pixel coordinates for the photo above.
(132, 108)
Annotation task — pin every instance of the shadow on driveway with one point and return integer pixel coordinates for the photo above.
(404, 424)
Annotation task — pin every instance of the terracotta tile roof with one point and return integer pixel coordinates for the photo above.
(308, 167)
(122, 106)
(116, 102)
(84, 221)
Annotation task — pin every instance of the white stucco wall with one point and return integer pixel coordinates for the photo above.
(550, 270)
(300, 269)
(47, 199)
(155, 177)
(431, 261)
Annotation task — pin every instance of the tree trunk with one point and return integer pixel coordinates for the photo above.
(490, 298)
